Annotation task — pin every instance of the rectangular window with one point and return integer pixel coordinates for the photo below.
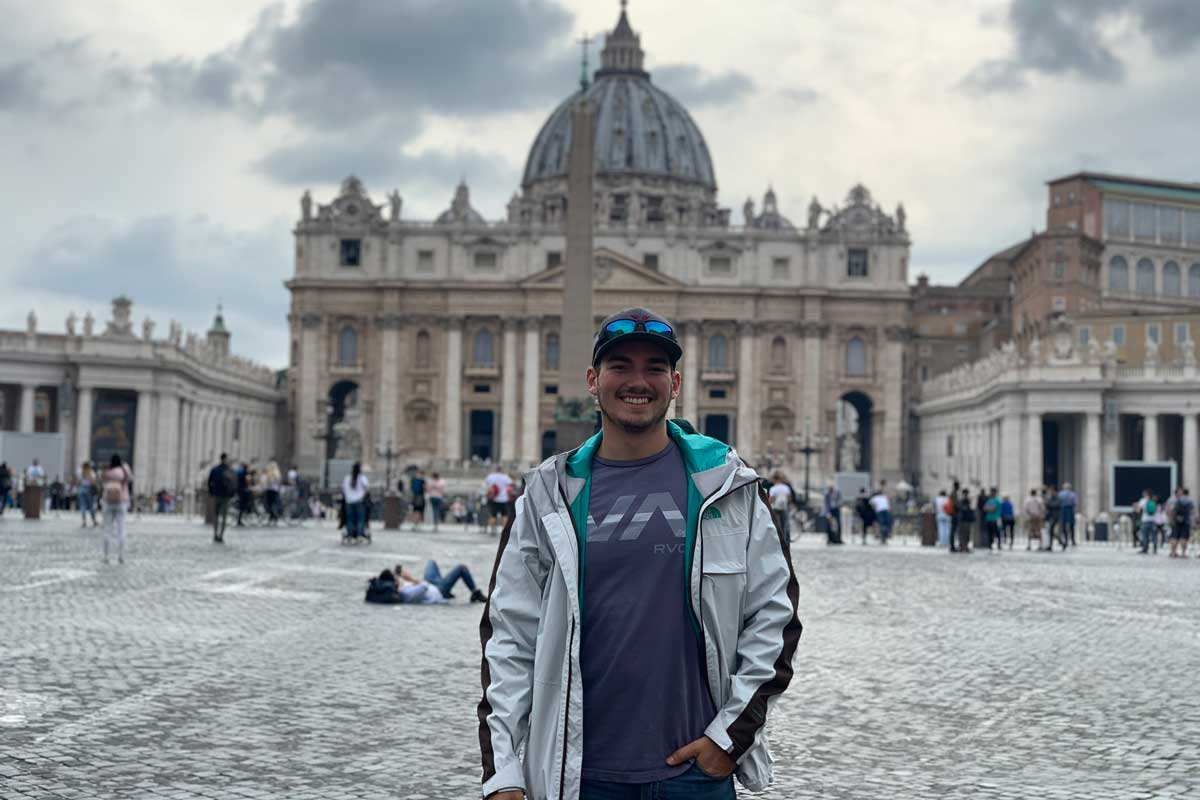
(351, 252)
(718, 394)
(483, 388)
(1116, 218)
(720, 265)
(781, 268)
(618, 210)
(1144, 221)
(1085, 336)
(1060, 270)
(1191, 226)
(1170, 224)
(424, 261)
(1152, 333)
(1182, 334)
(553, 259)
(654, 211)
(856, 262)
(485, 260)
(1118, 335)
(650, 260)
(550, 388)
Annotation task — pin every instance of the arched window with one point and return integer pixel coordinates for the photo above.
(718, 352)
(1118, 274)
(1145, 276)
(778, 354)
(483, 354)
(1194, 280)
(422, 354)
(856, 357)
(552, 353)
(348, 346)
(1172, 280)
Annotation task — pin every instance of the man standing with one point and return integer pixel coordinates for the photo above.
(417, 484)
(499, 490)
(221, 485)
(833, 512)
(781, 505)
(1183, 510)
(1054, 516)
(882, 507)
(1068, 500)
(597, 588)
(991, 517)
(1034, 511)
(1148, 507)
(437, 498)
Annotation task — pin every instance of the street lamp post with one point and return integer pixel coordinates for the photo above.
(809, 447)
(389, 454)
(326, 433)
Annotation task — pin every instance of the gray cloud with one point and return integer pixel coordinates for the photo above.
(19, 85)
(345, 61)
(166, 262)
(1075, 37)
(691, 86)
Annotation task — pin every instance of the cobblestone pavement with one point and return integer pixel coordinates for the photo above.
(255, 670)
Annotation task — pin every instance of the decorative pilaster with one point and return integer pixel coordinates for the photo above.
(310, 452)
(452, 413)
(1034, 477)
(691, 367)
(531, 394)
(1150, 437)
(1092, 464)
(388, 408)
(747, 392)
(508, 396)
(166, 446)
(83, 425)
(25, 424)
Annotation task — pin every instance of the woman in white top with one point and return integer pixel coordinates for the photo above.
(943, 518)
(354, 490)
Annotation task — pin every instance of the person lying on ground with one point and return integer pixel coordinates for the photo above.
(408, 583)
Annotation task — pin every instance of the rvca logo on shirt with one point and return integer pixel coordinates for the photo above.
(660, 502)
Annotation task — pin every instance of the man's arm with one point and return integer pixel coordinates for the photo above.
(508, 632)
(768, 639)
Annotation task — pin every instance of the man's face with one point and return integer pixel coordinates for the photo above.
(634, 386)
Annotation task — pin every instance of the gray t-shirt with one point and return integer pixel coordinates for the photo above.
(644, 693)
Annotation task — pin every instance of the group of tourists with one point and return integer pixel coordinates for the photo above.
(1159, 520)
(1048, 514)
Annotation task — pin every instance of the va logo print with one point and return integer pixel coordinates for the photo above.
(655, 501)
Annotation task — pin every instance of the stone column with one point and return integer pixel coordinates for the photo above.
(143, 445)
(1191, 454)
(83, 426)
(747, 393)
(452, 410)
(388, 407)
(531, 396)
(25, 424)
(309, 451)
(891, 374)
(166, 446)
(1150, 437)
(1010, 458)
(1033, 451)
(508, 393)
(692, 365)
(186, 466)
(1092, 465)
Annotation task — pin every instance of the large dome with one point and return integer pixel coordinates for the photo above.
(639, 128)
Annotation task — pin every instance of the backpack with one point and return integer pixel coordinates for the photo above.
(113, 489)
(493, 491)
(948, 508)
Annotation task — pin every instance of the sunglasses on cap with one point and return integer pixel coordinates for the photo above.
(622, 326)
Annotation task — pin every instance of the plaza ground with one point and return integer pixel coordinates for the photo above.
(255, 670)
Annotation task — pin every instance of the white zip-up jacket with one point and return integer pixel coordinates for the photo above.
(742, 594)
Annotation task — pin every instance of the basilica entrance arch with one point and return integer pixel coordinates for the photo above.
(482, 434)
(853, 453)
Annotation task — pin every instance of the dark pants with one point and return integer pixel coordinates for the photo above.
(691, 785)
(964, 535)
(1055, 519)
(1068, 525)
(954, 525)
(220, 512)
(446, 582)
(244, 500)
(993, 535)
(356, 519)
(1009, 525)
(885, 524)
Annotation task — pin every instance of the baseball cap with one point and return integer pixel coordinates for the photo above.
(635, 324)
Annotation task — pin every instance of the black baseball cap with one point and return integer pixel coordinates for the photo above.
(635, 324)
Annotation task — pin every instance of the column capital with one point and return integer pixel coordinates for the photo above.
(690, 327)
(530, 322)
(747, 327)
(310, 319)
(813, 329)
(511, 324)
(453, 322)
(389, 321)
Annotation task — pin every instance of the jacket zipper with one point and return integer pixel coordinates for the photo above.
(562, 775)
(695, 617)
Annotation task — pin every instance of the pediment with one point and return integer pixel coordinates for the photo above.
(611, 270)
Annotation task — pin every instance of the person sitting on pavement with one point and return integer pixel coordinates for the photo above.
(435, 587)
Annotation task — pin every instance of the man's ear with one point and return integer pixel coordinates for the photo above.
(592, 386)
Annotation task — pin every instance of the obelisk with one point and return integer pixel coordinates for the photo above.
(575, 415)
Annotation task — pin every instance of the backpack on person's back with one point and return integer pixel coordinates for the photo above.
(114, 486)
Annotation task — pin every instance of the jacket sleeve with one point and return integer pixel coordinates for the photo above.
(767, 642)
(508, 632)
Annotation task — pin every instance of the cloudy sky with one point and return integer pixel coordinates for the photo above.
(159, 149)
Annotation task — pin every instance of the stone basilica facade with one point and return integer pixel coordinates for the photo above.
(442, 336)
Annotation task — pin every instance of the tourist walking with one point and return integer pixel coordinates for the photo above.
(966, 520)
(866, 515)
(832, 509)
(417, 484)
(1147, 508)
(87, 493)
(354, 494)
(882, 506)
(780, 496)
(665, 502)
(1034, 512)
(437, 497)
(1069, 501)
(115, 496)
(1008, 521)
(6, 486)
(222, 485)
(991, 517)
(498, 489)
(1183, 511)
(1053, 516)
(942, 508)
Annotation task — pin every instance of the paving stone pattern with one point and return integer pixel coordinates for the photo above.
(255, 670)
